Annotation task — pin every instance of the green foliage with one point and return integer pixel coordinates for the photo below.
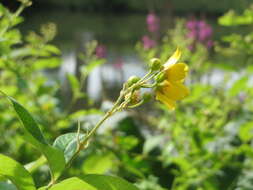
(22, 60)
(72, 184)
(205, 144)
(214, 6)
(34, 136)
(238, 47)
(94, 182)
(98, 163)
(102, 182)
(68, 144)
(15, 172)
(233, 19)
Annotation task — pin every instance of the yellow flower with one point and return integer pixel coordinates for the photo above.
(172, 88)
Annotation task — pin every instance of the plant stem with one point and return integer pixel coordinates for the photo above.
(93, 131)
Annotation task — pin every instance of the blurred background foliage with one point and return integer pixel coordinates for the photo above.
(184, 6)
(205, 144)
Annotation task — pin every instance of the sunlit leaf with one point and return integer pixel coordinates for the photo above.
(103, 182)
(52, 49)
(46, 63)
(86, 69)
(246, 131)
(73, 184)
(34, 136)
(68, 144)
(74, 83)
(238, 86)
(15, 172)
(98, 164)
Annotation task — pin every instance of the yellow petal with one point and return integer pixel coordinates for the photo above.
(173, 59)
(175, 91)
(177, 72)
(168, 102)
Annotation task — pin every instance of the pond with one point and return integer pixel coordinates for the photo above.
(119, 33)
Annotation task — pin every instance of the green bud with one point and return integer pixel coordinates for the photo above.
(155, 64)
(132, 80)
(27, 3)
(161, 77)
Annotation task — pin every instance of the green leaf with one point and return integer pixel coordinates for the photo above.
(73, 183)
(246, 131)
(43, 188)
(103, 182)
(55, 160)
(98, 164)
(233, 19)
(33, 135)
(94, 182)
(51, 62)
(67, 143)
(75, 85)
(32, 166)
(52, 49)
(15, 172)
(2, 178)
(238, 86)
(28, 121)
(86, 69)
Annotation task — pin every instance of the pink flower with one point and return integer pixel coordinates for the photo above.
(153, 22)
(205, 33)
(200, 32)
(101, 51)
(191, 24)
(201, 24)
(148, 43)
(193, 34)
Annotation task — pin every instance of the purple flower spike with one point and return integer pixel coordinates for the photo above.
(153, 22)
(205, 33)
(148, 43)
(101, 51)
(200, 32)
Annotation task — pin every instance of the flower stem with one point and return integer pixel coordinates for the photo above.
(119, 105)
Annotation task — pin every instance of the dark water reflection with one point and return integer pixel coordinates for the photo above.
(118, 32)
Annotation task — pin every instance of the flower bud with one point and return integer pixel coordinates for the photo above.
(27, 3)
(155, 64)
(135, 97)
(132, 80)
(161, 77)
